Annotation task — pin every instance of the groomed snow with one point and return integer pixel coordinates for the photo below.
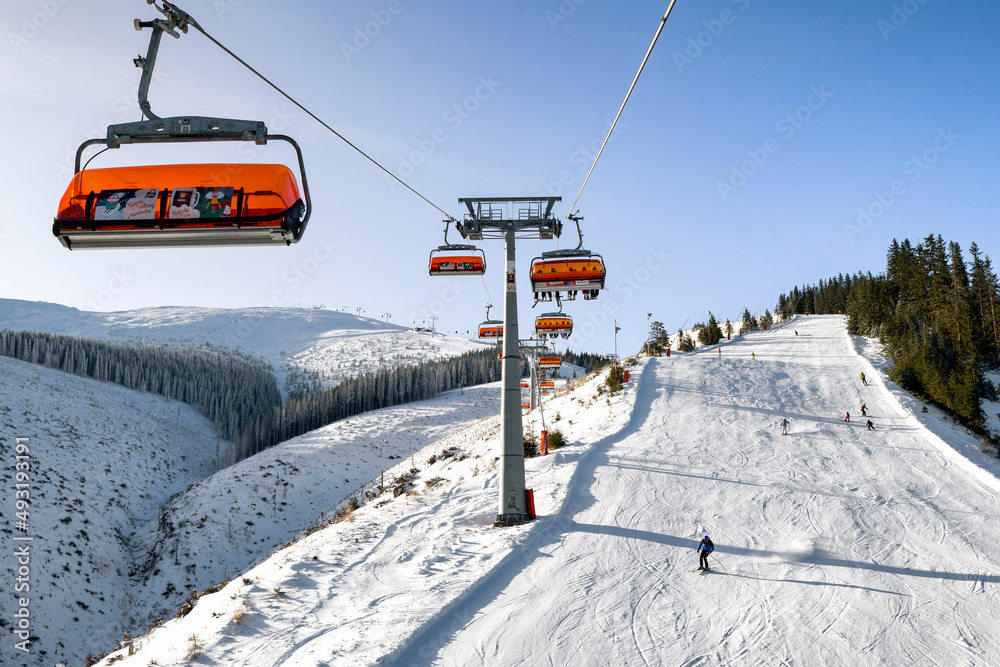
(836, 545)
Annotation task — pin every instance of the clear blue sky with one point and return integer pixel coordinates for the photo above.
(756, 133)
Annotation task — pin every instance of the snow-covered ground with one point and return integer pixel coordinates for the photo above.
(835, 544)
(122, 525)
(328, 345)
(101, 461)
(357, 589)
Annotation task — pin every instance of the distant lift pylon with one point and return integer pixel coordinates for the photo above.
(186, 204)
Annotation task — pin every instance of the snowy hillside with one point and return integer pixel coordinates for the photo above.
(328, 345)
(102, 460)
(232, 520)
(122, 525)
(835, 544)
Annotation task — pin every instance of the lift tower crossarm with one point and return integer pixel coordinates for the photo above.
(498, 215)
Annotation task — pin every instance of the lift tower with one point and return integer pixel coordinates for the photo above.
(533, 346)
(510, 218)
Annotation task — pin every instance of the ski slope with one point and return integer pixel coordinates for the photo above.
(835, 545)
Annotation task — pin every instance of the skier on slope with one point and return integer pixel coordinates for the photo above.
(784, 426)
(848, 417)
(864, 410)
(871, 426)
(863, 380)
(705, 547)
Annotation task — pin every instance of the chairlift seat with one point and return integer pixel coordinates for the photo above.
(181, 206)
(553, 324)
(457, 261)
(550, 362)
(491, 330)
(568, 273)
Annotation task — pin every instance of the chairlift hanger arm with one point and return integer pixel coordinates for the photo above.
(181, 19)
(576, 219)
(176, 19)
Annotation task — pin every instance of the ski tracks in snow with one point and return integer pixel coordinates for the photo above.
(840, 545)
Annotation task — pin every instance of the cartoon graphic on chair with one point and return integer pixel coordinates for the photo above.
(136, 204)
(201, 203)
(183, 203)
(111, 203)
(141, 205)
(216, 198)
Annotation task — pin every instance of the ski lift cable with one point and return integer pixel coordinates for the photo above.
(488, 297)
(611, 129)
(291, 99)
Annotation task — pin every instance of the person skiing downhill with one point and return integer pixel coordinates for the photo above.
(848, 417)
(784, 426)
(863, 380)
(753, 355)
(705, 547)
(864, 410)
(871, 426)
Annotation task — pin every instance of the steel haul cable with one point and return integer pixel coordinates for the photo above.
(190, 19)
(611, 129)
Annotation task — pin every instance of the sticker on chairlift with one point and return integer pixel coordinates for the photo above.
(511, 284)
(139, 204)
(201, 203)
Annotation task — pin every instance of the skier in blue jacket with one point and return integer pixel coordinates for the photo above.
(705, 547)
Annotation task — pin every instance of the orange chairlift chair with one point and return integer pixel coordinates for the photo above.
(491, 330)
(550, 363)
(457, 260)
(551, 325)
(559, 274)
(452, 259)
(568, 272)
(184, 204)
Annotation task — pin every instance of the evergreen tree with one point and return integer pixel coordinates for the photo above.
(935, 315)
(711, 333)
